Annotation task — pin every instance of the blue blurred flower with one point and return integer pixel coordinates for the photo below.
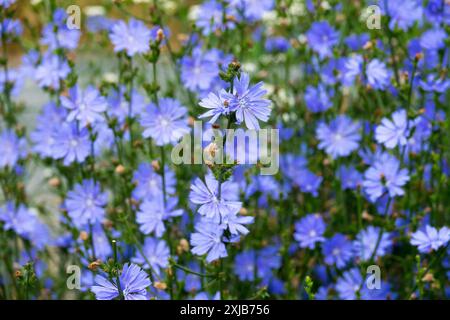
(200, 70)
(166, 122)
(252, 10)
(437, 11)
(10, 27)
(85, 203)
(245, 265)
(26, 223)
(337, 250)
(433, 39)
(393, 132)
(403, 13)
(350, 177)
(57, 35)
(210, 17)
(352, 69)
(277, 44)
(120, 108)
(378, 76)
(207, 238)
(71, 144)
(366, 241)
(385, 175)
(340, 137)
(156, 253)
(134, 37)
(84, 106)
(317, 99)
(322, 38)
(149, 183)
(356, 41)
(52, 71)
(7, 3)
(352, 282)
(13, 149)
(308, 182)
(309, 231)
(432, 83)
(153, 213)
(430, 239)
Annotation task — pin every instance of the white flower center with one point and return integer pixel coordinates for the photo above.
(89, 202)
(164, 122)
(73, 143)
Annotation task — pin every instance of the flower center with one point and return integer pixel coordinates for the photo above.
(90, 202)
(73, 143)
(164, 122)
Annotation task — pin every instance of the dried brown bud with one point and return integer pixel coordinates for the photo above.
(211, 149)
(368, 45)
(184, 245)
(419, 56)
(231, 18)
(84, 235)
(428, 277)
(243, 211)
(94, 265)
(182, 37)
(155, 165)
(160, 35)
(18, 273)
(108, 224)
(367, 216)
(120, 169)
(54, 182)
(160, 285)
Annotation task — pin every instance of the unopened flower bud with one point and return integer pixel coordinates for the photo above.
(54, 182)
(108, 224)
(160, 285)
(84, 235)
(368, 45)
(120, 169)
(428, 277)
(231, 18)
(367, 216)
(160, 35)
(155, 165)
(183, 245)
(243, 211)
(94, 265)
(211, 149)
